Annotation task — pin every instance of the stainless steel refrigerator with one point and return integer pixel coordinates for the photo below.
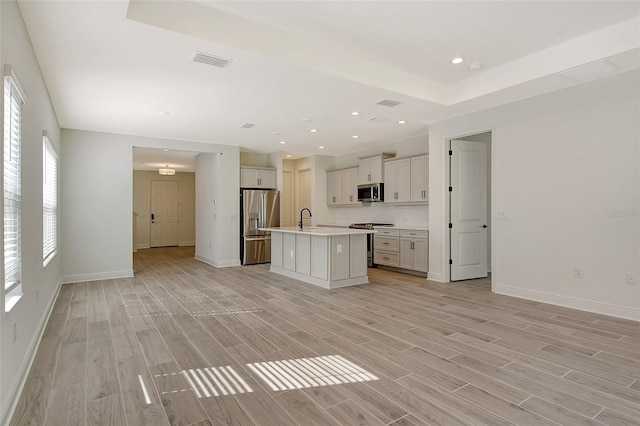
(259, 209)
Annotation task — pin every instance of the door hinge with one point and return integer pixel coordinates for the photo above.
(450, 261)
(450, 152)
(451, 189)
(450, 225)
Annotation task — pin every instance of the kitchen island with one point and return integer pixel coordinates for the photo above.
(326, 257)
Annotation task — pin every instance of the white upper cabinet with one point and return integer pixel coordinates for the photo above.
(253, 177)
(370, 170)
(350, 186)
(342, 188)
(420, 178)
(397, 186)
(334, 188)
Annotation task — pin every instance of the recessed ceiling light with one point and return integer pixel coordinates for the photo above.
(289, 155)
(355, 113)
(457, 60)
(321, 147)
(165, 150)
(402, 122)
(313, 130)
(283, 142)
(355, 136)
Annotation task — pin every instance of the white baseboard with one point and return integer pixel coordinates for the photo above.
(217, 264)
(16, 391)
(142, 246)
(435, 276)
(569, 302)
(97, 276)
(186, 244)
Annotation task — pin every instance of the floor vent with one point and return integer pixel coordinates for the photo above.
(310, 372)
(215, 61)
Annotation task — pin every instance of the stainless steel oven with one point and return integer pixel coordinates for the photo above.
(370, 237)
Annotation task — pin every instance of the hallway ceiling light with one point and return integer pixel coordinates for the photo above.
(457, 61)
(167, 171)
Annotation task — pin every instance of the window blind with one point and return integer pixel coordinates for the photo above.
(49, 202)
(12, 186)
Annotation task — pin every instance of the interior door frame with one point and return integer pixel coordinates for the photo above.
(446, 199)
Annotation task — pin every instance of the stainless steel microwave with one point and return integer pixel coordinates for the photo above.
(371, 192)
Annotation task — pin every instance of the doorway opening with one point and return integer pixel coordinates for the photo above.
(469, 206)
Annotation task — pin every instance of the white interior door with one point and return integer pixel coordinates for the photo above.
(164, 213)
(468, 212)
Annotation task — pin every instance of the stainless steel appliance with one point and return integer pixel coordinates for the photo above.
(371, 192)
(258, 209)
(370, 237)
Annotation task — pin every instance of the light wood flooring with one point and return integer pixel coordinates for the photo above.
(117, 352)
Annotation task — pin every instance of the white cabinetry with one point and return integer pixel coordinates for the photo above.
(397, 186)
(370, 170)
(386, 247)
(420, 178)
(414, 249)
(342, 188)
(255, 177)
(334, 188)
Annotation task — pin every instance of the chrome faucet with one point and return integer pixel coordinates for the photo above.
(301, 211)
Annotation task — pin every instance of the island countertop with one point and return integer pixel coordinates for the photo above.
(319, 230)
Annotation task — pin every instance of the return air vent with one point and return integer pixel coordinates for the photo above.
(379, 119)
(388, 103)
(590, 71)
(205, 58)
(247, 125)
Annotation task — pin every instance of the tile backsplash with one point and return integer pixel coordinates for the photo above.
(383, 213)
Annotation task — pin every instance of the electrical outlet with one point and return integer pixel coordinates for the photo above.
(502, 216)
(577, 272)
(631, 278)
(339, 248)
(291, 254)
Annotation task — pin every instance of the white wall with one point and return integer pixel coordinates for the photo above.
(40, 284)
(218, 207)
(97, 198)
(566, 171)
(142, 206)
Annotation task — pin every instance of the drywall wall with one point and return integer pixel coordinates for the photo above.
(97, 199)
(39, 284)
(142, 206)
(566, 174)
(218, 207)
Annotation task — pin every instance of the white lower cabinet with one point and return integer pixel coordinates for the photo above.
(414, 247)
(402, 248)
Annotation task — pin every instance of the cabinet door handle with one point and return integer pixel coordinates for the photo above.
(385, 258)
(369, 178)
(386, 244)
(350, 197)
(334, 199)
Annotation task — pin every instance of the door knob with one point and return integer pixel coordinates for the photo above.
(484, 226)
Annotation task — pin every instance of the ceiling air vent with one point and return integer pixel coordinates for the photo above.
(205, 58)
(379, 119)
(590, 71)
(247, 125)
(388, 103)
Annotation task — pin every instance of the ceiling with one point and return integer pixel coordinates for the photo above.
(126, 67)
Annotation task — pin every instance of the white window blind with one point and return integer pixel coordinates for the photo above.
(13, 101)
(49, 201)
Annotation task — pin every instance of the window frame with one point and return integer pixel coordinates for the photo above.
(49, 190)
(13, 101)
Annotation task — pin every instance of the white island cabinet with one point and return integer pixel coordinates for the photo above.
(327, 257)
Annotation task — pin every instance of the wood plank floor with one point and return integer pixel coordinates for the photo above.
(183, 343)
